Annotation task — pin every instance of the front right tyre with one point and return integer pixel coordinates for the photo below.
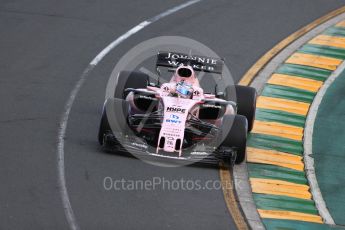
(234, 131)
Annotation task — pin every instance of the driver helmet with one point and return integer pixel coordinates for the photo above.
(184, 89)
(185, 79)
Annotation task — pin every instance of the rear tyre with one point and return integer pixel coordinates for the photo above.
(129, 79)
(245, 97)
(234, 134)
(114, 118)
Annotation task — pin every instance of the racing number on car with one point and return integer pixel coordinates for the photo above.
(170, 141)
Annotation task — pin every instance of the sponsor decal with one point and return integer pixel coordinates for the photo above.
(139, 145)
(173, 121)
(170, 134)
(195, 67)
(199, 153)
(212, 106)
(173, 116)
(199, 63)
(196, 93)
(204, 60)
(145, 97)
(174, 109)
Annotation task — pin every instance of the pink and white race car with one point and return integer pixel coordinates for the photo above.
(178, 119)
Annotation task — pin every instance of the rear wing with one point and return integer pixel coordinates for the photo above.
(198, 63)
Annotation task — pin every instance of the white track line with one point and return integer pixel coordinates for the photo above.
(135, 29)
(308, 147)
(73, 225)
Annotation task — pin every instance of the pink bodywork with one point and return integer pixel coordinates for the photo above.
(174, 121)
(177, 110)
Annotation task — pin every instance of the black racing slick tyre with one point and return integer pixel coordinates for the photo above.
(234, 134)
(129, 79)
(245, 97)
(114, 118)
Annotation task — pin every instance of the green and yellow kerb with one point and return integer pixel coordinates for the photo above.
(275, 146)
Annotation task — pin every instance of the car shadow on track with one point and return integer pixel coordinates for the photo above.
(154, 160)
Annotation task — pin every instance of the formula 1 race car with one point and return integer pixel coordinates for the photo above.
(177, 119)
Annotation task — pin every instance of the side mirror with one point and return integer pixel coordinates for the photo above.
(152, 84)
(220, 95)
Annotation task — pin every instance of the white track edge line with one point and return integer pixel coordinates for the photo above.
(70, 216)
(308, 147)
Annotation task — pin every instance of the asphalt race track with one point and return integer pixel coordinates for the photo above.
(46, 45)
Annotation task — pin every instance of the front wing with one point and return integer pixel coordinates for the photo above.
(136, 146)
